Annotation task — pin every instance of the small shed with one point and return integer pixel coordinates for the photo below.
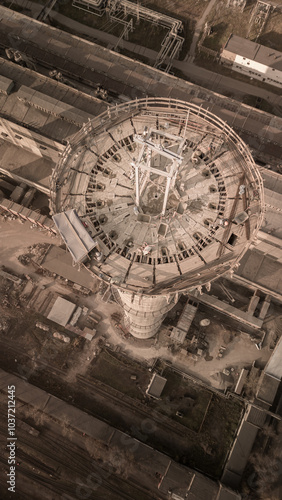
(62, 311)
(156, 386)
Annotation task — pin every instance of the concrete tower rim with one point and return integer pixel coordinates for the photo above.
(108, 122)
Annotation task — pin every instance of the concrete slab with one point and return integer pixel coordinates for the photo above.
(59, 261)
(268, 388)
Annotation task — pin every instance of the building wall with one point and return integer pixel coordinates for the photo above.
(30, 141)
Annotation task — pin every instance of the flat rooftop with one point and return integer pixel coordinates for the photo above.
(261, 269)
(254, 51)
(183, 233)
(240, 454)
(132, 78)
(26, 164)
(267, 388)
(274, 365)
(156, 386)
(61, 311)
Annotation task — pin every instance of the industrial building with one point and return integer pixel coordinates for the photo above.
(253, 60)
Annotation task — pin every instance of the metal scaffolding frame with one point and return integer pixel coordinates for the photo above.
(172, 43)
(96, 7)
(144, 165)
(136, 10)
(119, 10)
(259, 16)
(128, 27)
(45, 11)
(170, 49)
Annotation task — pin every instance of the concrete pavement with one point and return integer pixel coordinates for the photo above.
(197, 32)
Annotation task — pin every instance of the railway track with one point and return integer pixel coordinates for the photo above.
(25, 371)
(72, 462)
(130, 404)
(95, 387)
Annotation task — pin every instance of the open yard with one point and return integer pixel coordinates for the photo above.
(121, 373)
(272, 32)
(184, 397)
(209, 420)
(225, 21)
(26, 347)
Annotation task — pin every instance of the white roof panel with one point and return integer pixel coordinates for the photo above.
(61, 311)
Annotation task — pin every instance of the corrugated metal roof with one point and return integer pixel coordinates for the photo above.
(180, 331)
(256, 416)
(156, 386)
(74, 234)
(242, 448)
(268, 388)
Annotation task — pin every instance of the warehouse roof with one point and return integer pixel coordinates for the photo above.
(61, 311)
(156, 386)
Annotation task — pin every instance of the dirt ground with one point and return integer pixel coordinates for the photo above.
(210, 420)
(272, 32)
(241, 350)
(225, 21)
(185, 9)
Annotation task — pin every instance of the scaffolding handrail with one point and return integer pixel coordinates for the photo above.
(175, 110)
